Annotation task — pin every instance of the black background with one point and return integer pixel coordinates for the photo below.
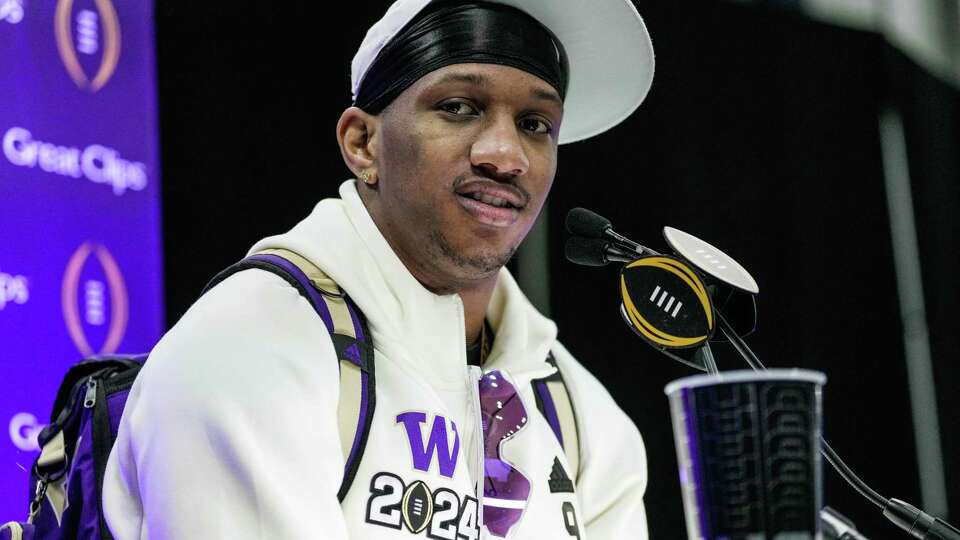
(760, 135)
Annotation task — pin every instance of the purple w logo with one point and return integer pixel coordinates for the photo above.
(422, 456)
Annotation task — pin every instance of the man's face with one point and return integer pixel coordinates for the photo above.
(465, 159)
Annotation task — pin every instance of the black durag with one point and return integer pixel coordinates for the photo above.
(457, 32)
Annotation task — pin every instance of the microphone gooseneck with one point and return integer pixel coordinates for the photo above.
(592, 250)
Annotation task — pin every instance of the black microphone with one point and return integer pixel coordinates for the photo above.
(588, 224)
(583, 222)
(593, 252)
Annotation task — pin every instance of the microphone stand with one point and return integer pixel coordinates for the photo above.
(909, 518)
(706, 355)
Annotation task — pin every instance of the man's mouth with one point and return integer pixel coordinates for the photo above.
(491, 203)
(490, 199)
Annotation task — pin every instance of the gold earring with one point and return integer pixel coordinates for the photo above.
(368, 178)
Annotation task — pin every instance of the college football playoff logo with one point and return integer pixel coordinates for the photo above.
(94, 299)
(92, 33)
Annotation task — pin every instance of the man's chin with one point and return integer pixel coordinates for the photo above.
(478, 263)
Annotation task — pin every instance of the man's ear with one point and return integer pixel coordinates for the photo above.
(355, 134)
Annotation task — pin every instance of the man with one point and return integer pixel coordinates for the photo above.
(231, 428)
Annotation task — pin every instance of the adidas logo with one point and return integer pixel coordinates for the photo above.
(559, 481)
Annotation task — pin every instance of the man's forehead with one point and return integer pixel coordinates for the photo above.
(484, 76)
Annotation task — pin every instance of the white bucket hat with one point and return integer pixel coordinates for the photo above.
(608, 49)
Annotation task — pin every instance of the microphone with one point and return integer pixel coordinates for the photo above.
(588, 224)
(593, 252)
(733, 280)
(583, 222)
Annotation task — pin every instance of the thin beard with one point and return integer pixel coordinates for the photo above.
(485, 265)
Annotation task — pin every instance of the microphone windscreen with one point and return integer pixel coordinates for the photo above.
(586, 251)
(583, 222)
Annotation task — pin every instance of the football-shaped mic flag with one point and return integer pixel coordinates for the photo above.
(666, 303)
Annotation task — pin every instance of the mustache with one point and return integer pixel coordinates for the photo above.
(511, 181)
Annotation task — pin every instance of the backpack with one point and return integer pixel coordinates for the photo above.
(67, 477)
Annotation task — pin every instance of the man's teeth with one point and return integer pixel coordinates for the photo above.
(492, 201)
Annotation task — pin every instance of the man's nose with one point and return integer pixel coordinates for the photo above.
(499, 148)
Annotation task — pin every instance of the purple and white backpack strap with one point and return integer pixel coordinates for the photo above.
(351, 339)
(554, 402)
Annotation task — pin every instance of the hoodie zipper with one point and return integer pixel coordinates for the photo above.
(473, 390)
(473, 377)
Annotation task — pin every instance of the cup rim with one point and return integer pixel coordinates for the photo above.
(745, 375)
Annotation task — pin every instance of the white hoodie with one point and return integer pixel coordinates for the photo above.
(230, 430)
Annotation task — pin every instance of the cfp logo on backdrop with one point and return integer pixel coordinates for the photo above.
(94, 298)
(13, 290)
(11, 11)
(88, 31)
(99, 164)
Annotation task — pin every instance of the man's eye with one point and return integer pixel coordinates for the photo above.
(536, 125)
(458, 108)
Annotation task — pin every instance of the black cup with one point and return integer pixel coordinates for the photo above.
(748, 452)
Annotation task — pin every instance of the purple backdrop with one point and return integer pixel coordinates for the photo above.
(80, 249)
